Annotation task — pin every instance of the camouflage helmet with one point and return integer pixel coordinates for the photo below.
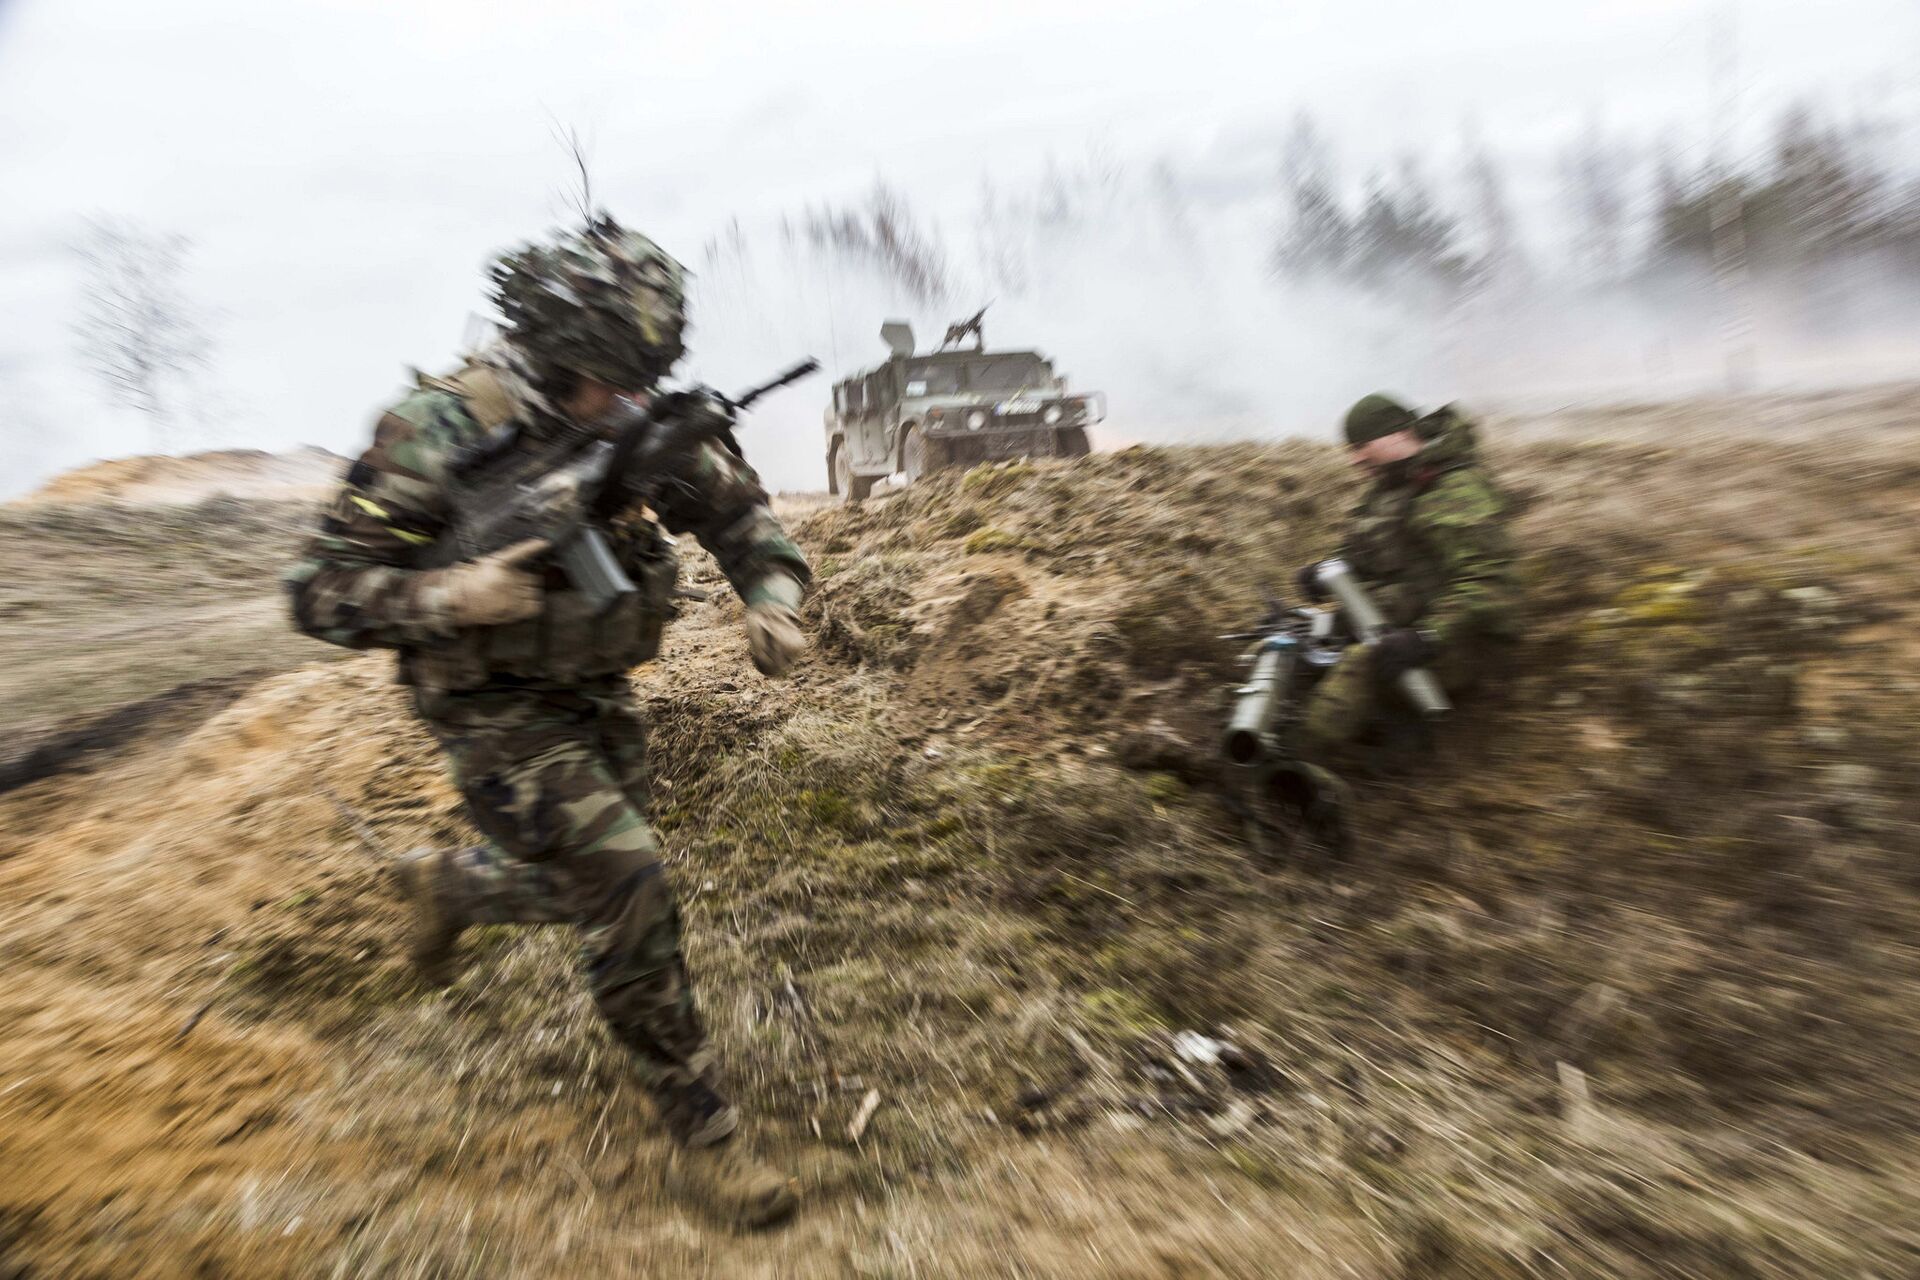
(1377, 415)
(604, 302)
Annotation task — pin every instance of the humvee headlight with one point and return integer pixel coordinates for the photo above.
(976, 420)
(1052, 415)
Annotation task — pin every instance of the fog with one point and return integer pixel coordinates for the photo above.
(345, 169)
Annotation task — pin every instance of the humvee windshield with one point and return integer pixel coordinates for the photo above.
(987, 373)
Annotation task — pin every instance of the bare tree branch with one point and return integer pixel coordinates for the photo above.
(886, 236)
(138, 332)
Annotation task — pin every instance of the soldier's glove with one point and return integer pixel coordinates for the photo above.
(1307, 582)
(494, 590)
(774, 637)
(1400, 650)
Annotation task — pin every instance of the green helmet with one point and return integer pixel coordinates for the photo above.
(1377, 415)
(604, 302)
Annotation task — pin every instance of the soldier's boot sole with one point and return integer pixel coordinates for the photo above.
(434, 936)
(1320, 802)
(1329, 815)
(730, 1184)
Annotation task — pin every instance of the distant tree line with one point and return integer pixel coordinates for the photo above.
(1816, 196)
(1425, 232)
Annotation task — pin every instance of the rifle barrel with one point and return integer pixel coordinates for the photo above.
(799, 371)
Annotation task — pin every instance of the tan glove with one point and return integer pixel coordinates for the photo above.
(495, 589)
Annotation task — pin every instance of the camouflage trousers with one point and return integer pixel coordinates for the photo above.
(556, 779)
(1350, 699)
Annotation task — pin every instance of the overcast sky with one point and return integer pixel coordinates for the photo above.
(345, 167)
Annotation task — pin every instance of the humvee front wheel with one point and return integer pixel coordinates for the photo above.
(850, 486)
(919, 455)
(1071, 442)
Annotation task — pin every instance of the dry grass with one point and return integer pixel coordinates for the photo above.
(1622, 984)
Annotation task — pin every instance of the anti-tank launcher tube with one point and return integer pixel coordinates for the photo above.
(1258, 703)
(1366, 623)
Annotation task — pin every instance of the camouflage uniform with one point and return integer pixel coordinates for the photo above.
(537, 717)
(1429, 540)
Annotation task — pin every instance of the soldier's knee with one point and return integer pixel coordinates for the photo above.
(628, 920)
(1320, 727)
(1337, 713)
(624, 887)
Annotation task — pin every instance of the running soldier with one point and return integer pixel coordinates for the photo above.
(526, 688)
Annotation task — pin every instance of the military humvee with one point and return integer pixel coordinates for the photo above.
(952, 407)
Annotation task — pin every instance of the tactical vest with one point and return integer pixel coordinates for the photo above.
(1380, 551)
(1402, 574)
(567, 642)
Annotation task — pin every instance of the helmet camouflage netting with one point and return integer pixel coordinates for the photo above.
(604, 302)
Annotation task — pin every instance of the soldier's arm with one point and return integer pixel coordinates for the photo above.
(357, 583)
(721, 503)
(1462, 520)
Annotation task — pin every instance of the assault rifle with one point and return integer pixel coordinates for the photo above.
(566, 493)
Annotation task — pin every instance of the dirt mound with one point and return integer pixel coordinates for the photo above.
(234, 473)
(108, 608)
(1621, 984)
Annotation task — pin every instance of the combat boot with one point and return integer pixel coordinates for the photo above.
(1318, 804)
(713, 1168)
(438, 916)
(729, 1182)
(1328, 815)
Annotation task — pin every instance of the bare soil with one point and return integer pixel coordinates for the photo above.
(154, 481)
(1621, 982)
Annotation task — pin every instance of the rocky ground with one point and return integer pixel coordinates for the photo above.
(1623, 983)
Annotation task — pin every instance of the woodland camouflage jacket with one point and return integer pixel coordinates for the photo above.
(360, 583)
(1430, 540)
